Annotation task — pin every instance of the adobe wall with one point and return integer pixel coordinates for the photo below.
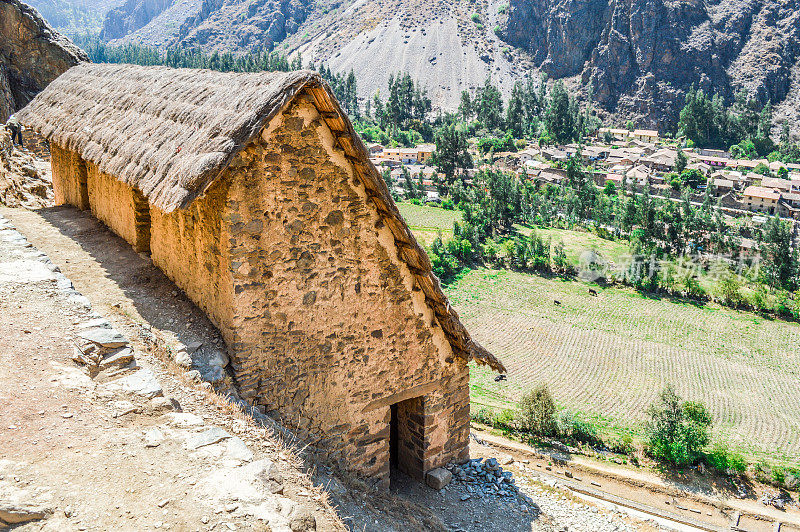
(68, 172)
(328, 330)
(116, 204)
(190, 246)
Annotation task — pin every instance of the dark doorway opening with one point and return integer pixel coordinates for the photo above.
(407, 437)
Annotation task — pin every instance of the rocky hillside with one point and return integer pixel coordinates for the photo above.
(209, 24)
(74, 16)
(640, 56)
(32, 54)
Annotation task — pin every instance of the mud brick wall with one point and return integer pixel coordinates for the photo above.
(327, 322)
(115, 204)
(69, 172)
(191, 246)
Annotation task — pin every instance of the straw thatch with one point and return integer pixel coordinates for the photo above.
(171, 132)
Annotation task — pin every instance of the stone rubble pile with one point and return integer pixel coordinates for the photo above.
(99, 346)
(485, 478)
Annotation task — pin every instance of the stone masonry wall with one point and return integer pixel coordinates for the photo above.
(68, 172)
(114, 203)
(191, 247)
(328, 329)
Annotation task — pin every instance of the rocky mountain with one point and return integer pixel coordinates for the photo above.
(32, 54)
(639, 56)
(208, 24)
(74, 16)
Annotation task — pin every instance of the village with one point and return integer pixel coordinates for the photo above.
(633, 159)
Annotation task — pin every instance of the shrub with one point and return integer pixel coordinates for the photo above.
(476, 18)
(677, 429)
(447, 204)
(571, 426)
(483, 415)
(724, 460)
(537, 411)
(496, 30)
(416, 201)
(505, 419)
(622, 445)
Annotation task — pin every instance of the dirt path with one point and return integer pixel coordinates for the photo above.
(90, 454)
(708, 500)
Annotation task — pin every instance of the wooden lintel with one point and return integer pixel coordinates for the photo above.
(416, 391)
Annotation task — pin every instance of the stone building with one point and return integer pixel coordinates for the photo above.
(254, 194)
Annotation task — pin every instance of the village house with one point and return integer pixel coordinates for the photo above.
(645, 135)
(722, 186)
(254, 194)
(661, 161)
(761, 199)
(619, 135)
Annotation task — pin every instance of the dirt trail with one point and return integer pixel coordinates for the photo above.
(94, 455)
(708, 500)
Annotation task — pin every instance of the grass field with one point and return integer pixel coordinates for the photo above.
(425, 222)
(608, 357)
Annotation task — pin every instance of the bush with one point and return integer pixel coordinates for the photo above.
(416, 201)
(724, 460)
(475, 18)
(677, 430)
(506, 419)
(447, 204)
(537, 412)
(483, 415)
(570, 426)
(622, 445)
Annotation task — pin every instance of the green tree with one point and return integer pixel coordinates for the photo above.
(452, 152)
(680, 161)
(677, 430)
(559, 119)
(489, 106)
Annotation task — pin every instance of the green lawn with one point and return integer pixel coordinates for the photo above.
(576, 242)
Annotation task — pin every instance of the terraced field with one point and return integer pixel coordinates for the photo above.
(609, 356)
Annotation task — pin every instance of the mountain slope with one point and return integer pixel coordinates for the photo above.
(640, 56)
(32, 54)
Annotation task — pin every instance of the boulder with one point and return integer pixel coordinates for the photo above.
(143, 383)
(438, 478)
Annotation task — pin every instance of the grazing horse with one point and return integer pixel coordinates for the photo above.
(500, 378)
(556, 302)
(593, 292)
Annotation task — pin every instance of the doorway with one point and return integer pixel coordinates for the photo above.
(407, 437)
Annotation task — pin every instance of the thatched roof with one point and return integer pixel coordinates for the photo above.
(171, 132)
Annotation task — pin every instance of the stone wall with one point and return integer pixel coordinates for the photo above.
(69, 178)
(190, 246)
(324, 325)
(115, 204)
(329, 330)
